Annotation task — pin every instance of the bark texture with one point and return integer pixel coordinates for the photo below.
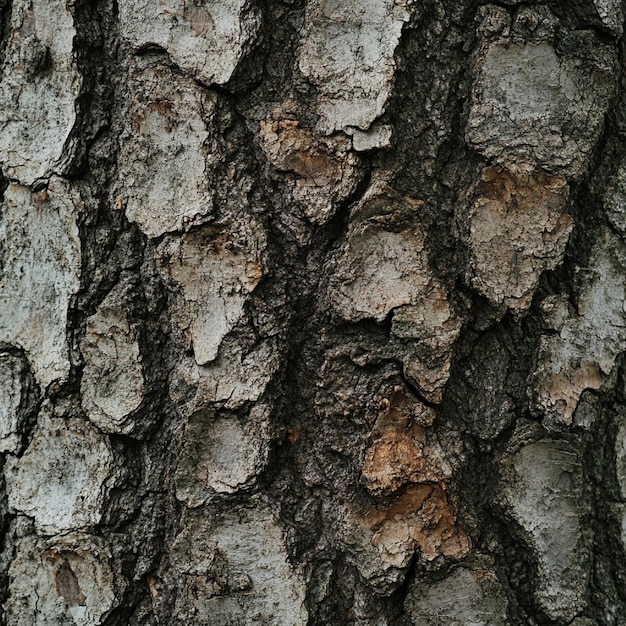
(312, 313)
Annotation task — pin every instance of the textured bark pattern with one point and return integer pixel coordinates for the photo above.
(313, 312)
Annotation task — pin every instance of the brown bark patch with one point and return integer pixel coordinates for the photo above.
(404, 450)
(561, 391)
(296, 149)
(400, 456)
(324, 168)
(517, 230)
(422, 516)
(200, 20)
(67, 585)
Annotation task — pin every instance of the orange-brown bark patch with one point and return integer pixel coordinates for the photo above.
(296, 149)
(400, 456)
(423, 516)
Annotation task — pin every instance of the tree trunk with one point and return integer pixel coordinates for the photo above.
(312, 312)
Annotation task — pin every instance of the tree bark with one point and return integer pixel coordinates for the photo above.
(312, 312)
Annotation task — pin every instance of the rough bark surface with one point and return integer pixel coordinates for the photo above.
(312, 312)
